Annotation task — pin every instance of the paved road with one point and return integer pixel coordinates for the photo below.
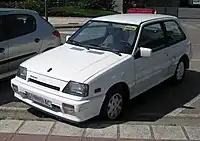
(166, 104)
(192, 13)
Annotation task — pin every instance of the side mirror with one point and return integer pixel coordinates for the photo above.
(67, 37)
(145, 52)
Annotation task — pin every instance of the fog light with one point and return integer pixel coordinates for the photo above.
(68, 109)
(15, 88)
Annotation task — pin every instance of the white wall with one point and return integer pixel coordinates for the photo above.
(119, 4)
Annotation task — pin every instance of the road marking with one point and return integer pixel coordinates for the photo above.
(195, 60)
(186, 116)
(195, 44)
(179, 110)
(67, 32)
(190, 26)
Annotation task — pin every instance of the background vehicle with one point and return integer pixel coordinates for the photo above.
(193, 3)
(23, 34)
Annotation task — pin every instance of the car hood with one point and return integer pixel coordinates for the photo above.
(69, 62)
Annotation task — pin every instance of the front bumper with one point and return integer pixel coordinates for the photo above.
(79, 110)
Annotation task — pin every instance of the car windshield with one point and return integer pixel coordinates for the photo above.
(106, 36)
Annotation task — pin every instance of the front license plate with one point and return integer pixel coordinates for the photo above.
(40, 100)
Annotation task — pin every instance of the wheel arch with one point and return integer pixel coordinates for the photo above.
(120, 85)
(186, 60)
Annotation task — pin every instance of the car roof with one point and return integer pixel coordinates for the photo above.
(16, 10)
(133, 18)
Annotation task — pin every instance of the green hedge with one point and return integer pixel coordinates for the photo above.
(37, 5)
(80, 8)
(77, 12)
(93, 4)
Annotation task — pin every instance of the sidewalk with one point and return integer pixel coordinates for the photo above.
(19, 130)
(62, 22)
(76, 22)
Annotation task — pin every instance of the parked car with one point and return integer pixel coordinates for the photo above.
(106, 62)
(190, 3)
(194, 2)
(23, 34)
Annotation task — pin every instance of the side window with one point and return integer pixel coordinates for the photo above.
(23, 24)
(152, 36)
(174, 32)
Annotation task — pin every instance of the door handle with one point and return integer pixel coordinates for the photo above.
(2, 50)
(37, 40)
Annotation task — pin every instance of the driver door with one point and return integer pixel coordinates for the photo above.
(151, 70)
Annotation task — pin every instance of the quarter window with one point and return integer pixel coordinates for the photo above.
(23, 25)
(174, 32)
(152, 37)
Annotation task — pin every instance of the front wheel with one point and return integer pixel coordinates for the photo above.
(113, 105)
(180, 72)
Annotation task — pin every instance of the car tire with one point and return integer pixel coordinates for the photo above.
(113, 105)
(180, 72)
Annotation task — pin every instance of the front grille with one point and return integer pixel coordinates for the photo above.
(44, 84)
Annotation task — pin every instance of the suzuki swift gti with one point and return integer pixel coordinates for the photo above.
(106, 62)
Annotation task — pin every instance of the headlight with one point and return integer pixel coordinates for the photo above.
(22, 72)
(77, 89)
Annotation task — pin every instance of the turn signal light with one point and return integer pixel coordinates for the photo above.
(68, 109)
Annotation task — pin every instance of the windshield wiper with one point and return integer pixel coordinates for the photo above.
(101, 47)
(112, 50)
(78, 44)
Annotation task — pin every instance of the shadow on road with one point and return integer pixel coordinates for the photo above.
(164, 98)
(6, 92)
(157, 102)
(148, 107)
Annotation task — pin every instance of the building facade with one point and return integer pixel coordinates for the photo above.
(160, 5)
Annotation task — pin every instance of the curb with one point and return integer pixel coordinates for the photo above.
(19, 110)
(78, 25)
(190, 18)
(111, 132)
(67, 25)
(13, 113)
(12, 109)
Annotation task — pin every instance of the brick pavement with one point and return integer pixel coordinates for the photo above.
(20, 130)
(67, 21)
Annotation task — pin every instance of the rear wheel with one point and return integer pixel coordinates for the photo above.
(180, 72)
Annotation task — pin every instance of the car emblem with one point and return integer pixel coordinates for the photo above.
(33, 77)
(49, 70)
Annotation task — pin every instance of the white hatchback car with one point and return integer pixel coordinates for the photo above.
(23, 34)
(108, 61)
